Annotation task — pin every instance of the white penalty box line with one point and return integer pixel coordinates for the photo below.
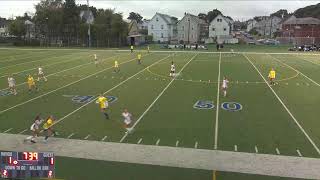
(285, 107)
(74, 82)
(114, 87)
(156, 99)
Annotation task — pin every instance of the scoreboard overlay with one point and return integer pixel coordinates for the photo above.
(21, 165)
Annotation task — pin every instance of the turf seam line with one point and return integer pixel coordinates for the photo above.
(306, 60)
(285, 107)
(295, 70)
(52, 74)
(74, 82)
(217, 107)
(156, 99)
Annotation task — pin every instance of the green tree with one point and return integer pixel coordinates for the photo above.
(213, 14)
(308, 11)
(17, 27)
(135, 16)
(282, 13)
(202, 16)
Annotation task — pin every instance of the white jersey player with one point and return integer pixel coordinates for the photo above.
(96, 61)
(41, 74)
(224, 86)
(172, 70)
(127, 119)
(35, 129)
(12, 85)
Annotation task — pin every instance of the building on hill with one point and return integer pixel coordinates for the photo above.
(135, 37)
(251, 23)
(300, 30)
(220, 30)
(144, 24)
(192, 29)
(4, 27)
(163, 28)
(266, 25)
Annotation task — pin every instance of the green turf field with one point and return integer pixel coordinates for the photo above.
(277, 120)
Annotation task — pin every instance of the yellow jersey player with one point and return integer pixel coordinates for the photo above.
(272, 76)
(116, 66)
(47, 127)
(131, 48)
(139, 58)
(31, 83)
(103, 103)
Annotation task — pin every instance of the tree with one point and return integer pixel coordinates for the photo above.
(282, 13)
(135, 16)
(17, 27)
(213, 14)
(309, 11)
(202, 16)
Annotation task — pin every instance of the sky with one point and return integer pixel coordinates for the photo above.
(237, 9)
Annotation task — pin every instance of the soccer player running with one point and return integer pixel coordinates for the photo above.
(96, 61)
(172, 70)
(224, 86)
(272, 76)
(116, 66)
(148, 47)
(47, 127)
(127, 120)
(103, 103)
(12, 84)
(35, 130)
(131, 48)
(139, 58)
(41, 74)
(31, 83)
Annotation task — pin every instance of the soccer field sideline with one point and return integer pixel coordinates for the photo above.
(251, 163)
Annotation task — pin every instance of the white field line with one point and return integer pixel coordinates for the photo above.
(256, 149)
(285, 107)
(104, 138)
(140, 140)
(60, 62)
(7, 130)
(196, 145)
(278, 151)
(307, 60)
(70, 135)
(217, 107)
(177, 143)
(295, 70)
(74, 82)
(114, 87)
(64, 71)
(155, 100)
(299, 153)
(235, 148)
(157, 143)
(87, 137)
(15, 58)
(42, 59)
(23, 131)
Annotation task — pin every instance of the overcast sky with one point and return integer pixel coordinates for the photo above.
(238, 10)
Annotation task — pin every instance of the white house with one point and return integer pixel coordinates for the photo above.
(144, 24)
(251, 24)
(4, 27)
(267, 25)
(220, 26)
(191, 29)
(220, 29)
(162, 27)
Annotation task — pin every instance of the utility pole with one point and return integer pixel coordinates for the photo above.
(89, 29)
(189, 31)
(271, 26)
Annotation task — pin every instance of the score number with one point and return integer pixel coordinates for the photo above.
(28, 156)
